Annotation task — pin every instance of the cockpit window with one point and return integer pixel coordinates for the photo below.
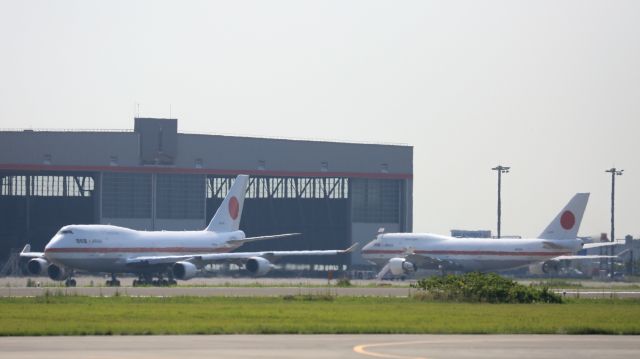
(66, 231)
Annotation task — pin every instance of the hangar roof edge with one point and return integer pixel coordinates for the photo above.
(239, 136)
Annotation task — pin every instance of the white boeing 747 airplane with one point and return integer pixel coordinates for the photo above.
(176, 254)
(403, 253)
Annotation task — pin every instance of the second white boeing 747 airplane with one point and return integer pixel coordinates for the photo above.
(403, 253)
(174, 254)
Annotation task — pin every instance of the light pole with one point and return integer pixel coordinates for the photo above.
(501, 169)
(614, 172)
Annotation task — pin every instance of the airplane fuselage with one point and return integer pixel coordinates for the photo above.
(468, 254)
(106, 248)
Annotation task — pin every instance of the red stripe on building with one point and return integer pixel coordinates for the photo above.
(158, 169)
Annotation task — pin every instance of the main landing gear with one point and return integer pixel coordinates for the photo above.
(114, 282)
(69, 281)
(144, 280)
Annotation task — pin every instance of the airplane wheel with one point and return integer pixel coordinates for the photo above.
(109, 283)
(173, 282)
(116, 283)
(70, 283)
(164, 283)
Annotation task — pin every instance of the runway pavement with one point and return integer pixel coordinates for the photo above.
(258, 292)
(323, 346)
(204, 291)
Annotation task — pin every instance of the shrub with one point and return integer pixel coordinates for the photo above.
(482, 287)
(327, 297)
(343, 282)
(557, 283)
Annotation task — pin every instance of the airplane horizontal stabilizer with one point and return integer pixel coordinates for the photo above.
(578, 257)
(600, 244)
(261, 238)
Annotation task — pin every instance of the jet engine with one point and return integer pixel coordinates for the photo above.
(37, 266)
(56, 272)
(258, 266)
(184, 270)
(548, 267)
(400, 266)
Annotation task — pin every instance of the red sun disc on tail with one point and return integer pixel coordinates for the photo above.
(567, 220)
(234, 208)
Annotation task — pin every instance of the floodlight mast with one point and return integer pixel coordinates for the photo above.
(614, 172)
(500, 169)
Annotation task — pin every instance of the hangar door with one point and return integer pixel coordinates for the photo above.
(33, 206)
(316, 207)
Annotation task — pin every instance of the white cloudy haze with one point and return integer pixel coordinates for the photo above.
(551, 88)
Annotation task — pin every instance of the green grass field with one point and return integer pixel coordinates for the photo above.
(77, 315)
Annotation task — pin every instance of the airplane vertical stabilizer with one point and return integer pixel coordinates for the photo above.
(227, 217)
(566, 224)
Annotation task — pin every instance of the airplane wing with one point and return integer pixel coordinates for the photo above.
(578, 257)
(201, 260)
(261, 238)
(26, 253)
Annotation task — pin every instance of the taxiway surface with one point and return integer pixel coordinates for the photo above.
(259, 292)
(323, 346)
(260, 287)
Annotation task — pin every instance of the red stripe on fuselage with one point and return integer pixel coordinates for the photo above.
(138, 250)
(466, 253)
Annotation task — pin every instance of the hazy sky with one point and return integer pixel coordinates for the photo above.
(550, 88)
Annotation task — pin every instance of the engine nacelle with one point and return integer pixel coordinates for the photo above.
(184, 270)
(56, 272)
(400, 266)
(548, 267)
(37, 266)
(258, 266)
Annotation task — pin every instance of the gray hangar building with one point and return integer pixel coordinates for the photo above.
(155, 178)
